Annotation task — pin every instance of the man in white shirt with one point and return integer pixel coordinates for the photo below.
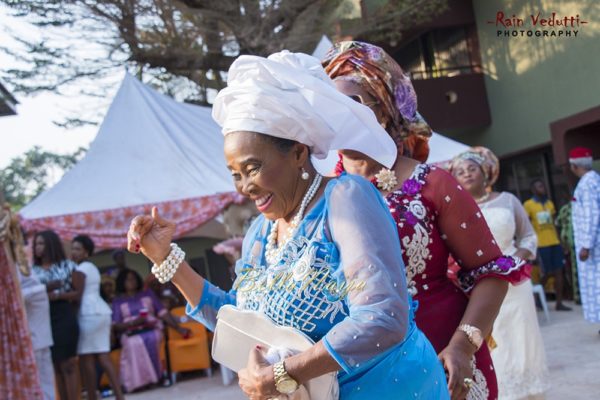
(586, 230)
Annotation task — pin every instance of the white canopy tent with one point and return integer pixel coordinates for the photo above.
(149, 150)
(442, 149)
(322, 47)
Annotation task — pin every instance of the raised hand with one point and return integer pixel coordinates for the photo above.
(152, 235)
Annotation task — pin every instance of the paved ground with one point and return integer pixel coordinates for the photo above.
(201, 388)
(572, 345)
(573, 350)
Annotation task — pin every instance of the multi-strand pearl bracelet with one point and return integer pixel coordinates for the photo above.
(166, 270)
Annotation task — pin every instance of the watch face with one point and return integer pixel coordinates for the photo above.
(287, 386)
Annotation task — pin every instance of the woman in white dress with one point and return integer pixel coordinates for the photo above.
(94, 322)
(519, 358)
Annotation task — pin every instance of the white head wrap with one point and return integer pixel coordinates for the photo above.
(585, 162)
(289, 95)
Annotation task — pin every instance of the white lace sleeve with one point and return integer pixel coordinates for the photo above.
(525, 237)
(364, 232)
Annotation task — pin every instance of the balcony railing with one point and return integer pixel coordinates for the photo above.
(446, 72)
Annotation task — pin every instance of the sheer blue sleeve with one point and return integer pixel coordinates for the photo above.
(213, 297)
(211, 300)
(364, 232)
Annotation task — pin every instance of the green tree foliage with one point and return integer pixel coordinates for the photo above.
(30, 174)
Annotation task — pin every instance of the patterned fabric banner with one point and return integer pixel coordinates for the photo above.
(108, 228)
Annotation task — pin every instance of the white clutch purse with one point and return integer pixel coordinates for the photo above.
(238, 331)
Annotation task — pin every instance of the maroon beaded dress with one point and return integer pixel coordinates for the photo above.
(437, 218)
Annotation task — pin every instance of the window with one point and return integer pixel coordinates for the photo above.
(438, 53)
(410, 57)
(517, 173)
(451, 50)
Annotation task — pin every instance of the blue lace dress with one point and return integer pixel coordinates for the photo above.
(340, 280)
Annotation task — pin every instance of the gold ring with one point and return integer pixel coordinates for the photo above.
(468, 382)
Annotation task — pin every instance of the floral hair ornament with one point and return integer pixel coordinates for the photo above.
(386, 180)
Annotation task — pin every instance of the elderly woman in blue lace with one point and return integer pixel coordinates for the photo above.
(332, 238)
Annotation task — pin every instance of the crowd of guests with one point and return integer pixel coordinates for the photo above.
(77, 316)
(465, 254)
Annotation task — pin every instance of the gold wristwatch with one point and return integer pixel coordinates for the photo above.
(473, 334)
(284, 383)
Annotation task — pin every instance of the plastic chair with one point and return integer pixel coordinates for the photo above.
(539, 290)
(188, 354)
(227, 375)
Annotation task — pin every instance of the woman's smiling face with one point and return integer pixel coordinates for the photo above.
(265, 173)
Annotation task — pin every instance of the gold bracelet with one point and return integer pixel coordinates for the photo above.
(473, 333)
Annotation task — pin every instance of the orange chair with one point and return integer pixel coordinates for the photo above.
(188, 354)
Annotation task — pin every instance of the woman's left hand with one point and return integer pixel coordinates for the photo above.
(457, 363)
(257, 380)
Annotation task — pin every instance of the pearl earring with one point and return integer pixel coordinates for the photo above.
(305, 174)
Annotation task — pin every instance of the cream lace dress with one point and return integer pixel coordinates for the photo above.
(520, 358)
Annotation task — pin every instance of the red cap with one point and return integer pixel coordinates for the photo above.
(580, 152)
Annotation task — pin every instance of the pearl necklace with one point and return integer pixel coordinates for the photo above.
(483, 198)
(272, 252)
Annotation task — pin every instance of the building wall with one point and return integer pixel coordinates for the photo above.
(532, 81)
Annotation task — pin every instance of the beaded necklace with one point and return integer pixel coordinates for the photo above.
(272, 251)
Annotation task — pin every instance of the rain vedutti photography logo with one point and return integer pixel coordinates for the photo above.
(537, 24)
